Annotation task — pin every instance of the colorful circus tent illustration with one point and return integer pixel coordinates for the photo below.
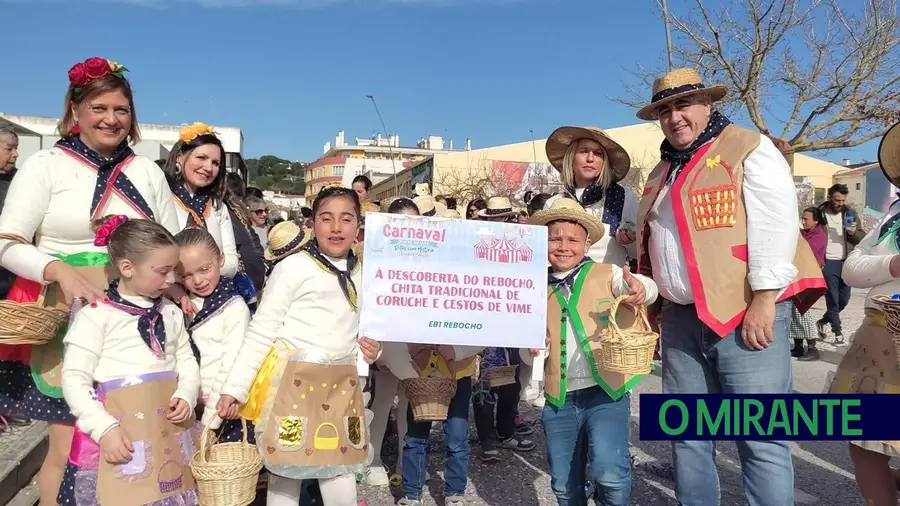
(506, 251)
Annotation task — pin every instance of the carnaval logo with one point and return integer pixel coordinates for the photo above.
(414, 235)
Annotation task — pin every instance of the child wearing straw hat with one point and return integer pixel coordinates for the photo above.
(580, 394)
(498, 209)
(871, 364)
(285, 239)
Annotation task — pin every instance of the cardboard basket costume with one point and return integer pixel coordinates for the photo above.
(312, 421)
(159, 473)
(891, 309)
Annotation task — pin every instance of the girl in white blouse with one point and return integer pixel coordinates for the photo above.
(133, 338)
(89, 173)
(310, 303)
(196, 174)
(217, 330)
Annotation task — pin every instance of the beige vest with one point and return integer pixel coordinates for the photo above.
(588, 311)
(708, 202)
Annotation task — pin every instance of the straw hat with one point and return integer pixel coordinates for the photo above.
(561, 138)
(889, 154)
(497, 207)
(569, 210)
(677, 84)
(451, 213)
(285, 239)
(386, 203)
(428, 206)
(366, 208)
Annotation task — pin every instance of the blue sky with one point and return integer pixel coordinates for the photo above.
(292, 73)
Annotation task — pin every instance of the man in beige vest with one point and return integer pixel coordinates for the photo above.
(719, 235)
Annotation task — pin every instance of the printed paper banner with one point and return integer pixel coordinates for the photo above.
(450, 281)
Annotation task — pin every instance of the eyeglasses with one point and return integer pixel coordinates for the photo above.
(260, 211)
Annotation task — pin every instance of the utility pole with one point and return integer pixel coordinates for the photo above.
(668, 35)
(390, 148)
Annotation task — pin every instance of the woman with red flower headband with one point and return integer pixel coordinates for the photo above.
(89, 173)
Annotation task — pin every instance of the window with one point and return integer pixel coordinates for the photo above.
(337, 170)
(858, 185)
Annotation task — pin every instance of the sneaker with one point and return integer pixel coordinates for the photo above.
(377, 476)
(409, 502)
(839, 339)
(797, 352)
(489, 455)
(518, 444)
(810, 355)
(524, 429)
(455, 500)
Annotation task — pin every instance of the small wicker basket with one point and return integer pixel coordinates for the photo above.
(29, 322)
(891, 310)
(627, 351)
(226, 473)
(430, 397)
(500, 376)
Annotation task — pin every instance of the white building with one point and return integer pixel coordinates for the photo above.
(37, 133)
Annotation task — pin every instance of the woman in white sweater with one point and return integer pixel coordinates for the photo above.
(217, 330)
(196, 174)
(90, 172)
(590, 165)
(870, 366)
(131, 379)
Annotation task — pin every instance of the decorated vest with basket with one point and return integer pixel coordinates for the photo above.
(428, 362)
(708, 204)
(592, 311)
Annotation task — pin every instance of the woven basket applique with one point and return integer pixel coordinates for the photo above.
(714, 207)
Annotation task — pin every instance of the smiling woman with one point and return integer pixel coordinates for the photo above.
(196, 174)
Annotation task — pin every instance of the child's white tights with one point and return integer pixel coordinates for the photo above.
(340, 491)
(386, 388)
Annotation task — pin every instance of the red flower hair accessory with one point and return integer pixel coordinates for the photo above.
(94, 68)
(101, 238)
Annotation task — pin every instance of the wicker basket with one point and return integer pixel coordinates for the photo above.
(627, 351)
(891, 310)
(430, 397)
(226, 473)
(500, 376)
(29, 322)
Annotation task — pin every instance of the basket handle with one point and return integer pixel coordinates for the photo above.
(21, 240)
(614, 309)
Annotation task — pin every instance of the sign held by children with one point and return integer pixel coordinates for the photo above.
(457, 282)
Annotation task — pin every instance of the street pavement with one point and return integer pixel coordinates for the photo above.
(823, 474)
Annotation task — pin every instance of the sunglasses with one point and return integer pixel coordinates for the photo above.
(260, 211)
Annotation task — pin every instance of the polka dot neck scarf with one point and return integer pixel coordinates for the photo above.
(678, 159)
(150, 321)
(612, 206)
(198, 206)
(344, 277)
(213, 305)
(110, 178)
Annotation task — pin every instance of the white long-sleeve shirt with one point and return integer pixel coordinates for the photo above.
(103, 344)
(218, 224)
(304, 306)
(770, 199)
(578, 370)
(219, 339)
(869, 264)
(608, 250)
(50, 200)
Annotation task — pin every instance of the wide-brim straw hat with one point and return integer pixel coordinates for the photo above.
(428, 206)
(559, 141)
(889, 154)
(366, 208)
(285, 239)
(566, 209)
(497, 207)
(677, 84)
(451, 213)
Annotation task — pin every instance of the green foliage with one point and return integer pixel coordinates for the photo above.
(272, 173)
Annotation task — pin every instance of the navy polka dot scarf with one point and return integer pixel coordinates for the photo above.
(109, 175)
(678, 159)
(612, 207)
(569, 280)
(213, 305)
(150, 324)
(344, 277)
(197, 205)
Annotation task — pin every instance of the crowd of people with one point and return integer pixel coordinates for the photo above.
(193, 308)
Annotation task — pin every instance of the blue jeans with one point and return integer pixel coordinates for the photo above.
(605, 423)
(838, 295)
(456, 430)
(696, 360)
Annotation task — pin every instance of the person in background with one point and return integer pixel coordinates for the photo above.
(450, 202)
(812, 228)
(253, 191)
(306, 213)
(474, 207)
(259, 217)
(536, 202)
(9, 153)
(361, 185)
(249, 248)
(844, 232)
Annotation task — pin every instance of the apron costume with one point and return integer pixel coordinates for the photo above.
(33, 373)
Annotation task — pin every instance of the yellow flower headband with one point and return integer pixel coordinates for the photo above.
(191, 132)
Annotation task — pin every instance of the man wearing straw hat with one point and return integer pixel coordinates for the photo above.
(718, 234)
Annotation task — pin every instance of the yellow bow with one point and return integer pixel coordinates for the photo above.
(712, 162)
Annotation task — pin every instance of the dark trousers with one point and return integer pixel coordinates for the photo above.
(505, 399)
(838, 295)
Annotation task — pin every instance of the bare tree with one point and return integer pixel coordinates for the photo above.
(828, 76)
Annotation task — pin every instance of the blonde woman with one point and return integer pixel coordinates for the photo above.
(591, 165)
